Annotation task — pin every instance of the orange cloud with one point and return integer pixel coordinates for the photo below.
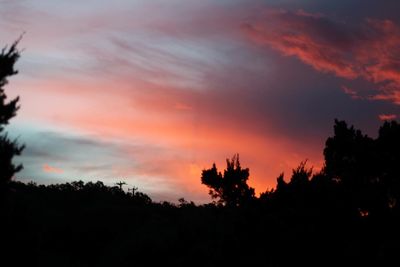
(369, 51)
(49, 169)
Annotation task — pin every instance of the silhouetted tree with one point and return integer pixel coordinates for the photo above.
(184, 203)
(8, 148)
(366, 168)
(388, 143)
(350, 156)
(231, 188)
(301, 176)
(294, 191)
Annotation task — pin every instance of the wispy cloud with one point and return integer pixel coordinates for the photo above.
(351, 92)
(387, 117)
(49, 169)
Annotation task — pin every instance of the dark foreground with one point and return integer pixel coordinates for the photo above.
(94, 225)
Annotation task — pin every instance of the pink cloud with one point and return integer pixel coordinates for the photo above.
(351, 92)
(369, 51)
(49, 169)
(387, 117)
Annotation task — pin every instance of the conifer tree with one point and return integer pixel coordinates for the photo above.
(8, 109)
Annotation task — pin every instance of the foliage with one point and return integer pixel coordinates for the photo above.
(367, 169)
(230, 189)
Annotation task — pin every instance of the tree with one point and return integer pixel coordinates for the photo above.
(365, 168)
(301, 176)
(8, 148)
(295, 191)
(230, 189)
(388, 145)
(350, 156)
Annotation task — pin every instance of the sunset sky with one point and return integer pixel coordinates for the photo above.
(151, 92)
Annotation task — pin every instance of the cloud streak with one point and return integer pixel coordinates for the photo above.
(387, 117)
(49, 169)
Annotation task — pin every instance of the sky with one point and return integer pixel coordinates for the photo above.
(151, 92)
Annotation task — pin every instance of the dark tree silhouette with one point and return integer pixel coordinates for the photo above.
(295, 191)
(350, 156)
(388, 143)
(367, 169)
(301, 176)
(230, 189)
(8, 148)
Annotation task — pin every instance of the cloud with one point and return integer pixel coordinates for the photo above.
(387, 117)
(369, 50)
(351, 92)
(49, 169)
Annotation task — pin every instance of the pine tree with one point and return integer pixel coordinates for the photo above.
(8, 109)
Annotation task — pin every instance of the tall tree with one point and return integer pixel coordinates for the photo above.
(231, 188)
(8, 109)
